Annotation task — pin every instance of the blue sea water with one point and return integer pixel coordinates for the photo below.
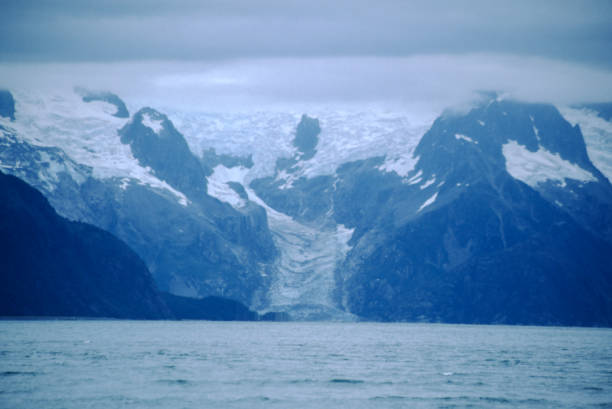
(195, 364)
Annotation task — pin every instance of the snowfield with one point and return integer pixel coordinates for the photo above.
(538, 167)
(345, 136)
(86, 132)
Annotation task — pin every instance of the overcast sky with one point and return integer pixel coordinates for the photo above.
(227, 51)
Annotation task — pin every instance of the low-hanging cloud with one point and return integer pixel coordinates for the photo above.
(433, 81)
(243, 54)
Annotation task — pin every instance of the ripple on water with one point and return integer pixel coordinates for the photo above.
(345, 380)
(408, 372)
(182, 382)
(18, 373)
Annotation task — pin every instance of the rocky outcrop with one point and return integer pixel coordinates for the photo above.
(7, 104)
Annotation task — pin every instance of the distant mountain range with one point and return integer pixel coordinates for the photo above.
(495, 215)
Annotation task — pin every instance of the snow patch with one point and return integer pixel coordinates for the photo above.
(428, 183)
(155, 124)
(125, 182)
(289, 178)
(536, 131)
(54, 168)
(415, 179)
(218, 184)
(428, 202)
(538, 167)
(597, 134)
(460, 136)
(481, 123)
(401, 165)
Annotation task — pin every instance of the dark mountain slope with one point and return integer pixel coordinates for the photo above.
(51, 266)
(487, 247)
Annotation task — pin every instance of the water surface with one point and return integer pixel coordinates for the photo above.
(195, 364)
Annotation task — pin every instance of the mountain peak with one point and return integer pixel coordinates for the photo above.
(155, 142)
(306, 136)
(495, 123)
(153, 119)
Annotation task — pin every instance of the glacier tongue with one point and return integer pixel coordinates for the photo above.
(303, 282)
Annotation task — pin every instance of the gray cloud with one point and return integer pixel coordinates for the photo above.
(230, 54)
(423, 82)
(88, 30)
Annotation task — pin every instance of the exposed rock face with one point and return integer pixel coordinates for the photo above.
(156, 143)
(306, 137)
(7, 104)
(54, 267)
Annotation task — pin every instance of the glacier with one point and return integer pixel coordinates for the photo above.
(304, 278)
(345, 136)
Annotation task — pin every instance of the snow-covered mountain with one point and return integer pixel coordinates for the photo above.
(497, 215)
(192, 243)
(491, 215)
